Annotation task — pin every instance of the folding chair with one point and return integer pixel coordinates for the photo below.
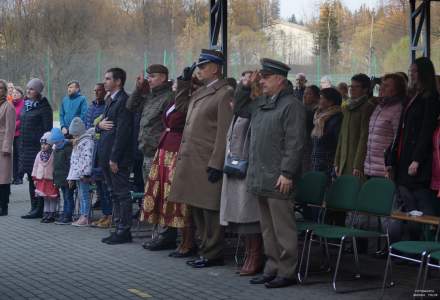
(435, 256)
(310, 191)
(341, 196)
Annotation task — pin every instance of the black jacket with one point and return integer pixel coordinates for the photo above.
(417, 125)
(61, 165)
(35, 121)
(117, 144)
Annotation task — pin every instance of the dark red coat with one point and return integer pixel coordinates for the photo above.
(174, 124)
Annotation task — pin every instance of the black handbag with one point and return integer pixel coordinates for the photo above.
(236, 166)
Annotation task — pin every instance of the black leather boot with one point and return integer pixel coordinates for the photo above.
(37, 212)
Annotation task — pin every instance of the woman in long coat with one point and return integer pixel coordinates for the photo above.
(7, 131)
(238, 207)
(36, 119)
(411, 152)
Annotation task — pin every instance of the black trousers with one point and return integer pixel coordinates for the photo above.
(5, 191)
(15, 159)
(119, 187)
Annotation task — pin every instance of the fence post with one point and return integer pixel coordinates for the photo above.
(98, 65)
(48, 82)
(145, 63)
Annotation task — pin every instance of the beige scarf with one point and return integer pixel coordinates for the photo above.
(320, 117)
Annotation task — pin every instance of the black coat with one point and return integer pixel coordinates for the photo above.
(324, 148)
(61, 165)
(417, 125)
(117, 144)
(34, 123)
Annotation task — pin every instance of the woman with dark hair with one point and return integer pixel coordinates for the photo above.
(36, 119)
(310, 101)
(7, 130)
(383, 124)
(326, 125)
(18, 102)
(411, 152)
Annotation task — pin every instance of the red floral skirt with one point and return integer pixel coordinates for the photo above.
(45, 188)
(156, 208)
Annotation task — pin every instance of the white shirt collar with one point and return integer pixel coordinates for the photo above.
(114, 94)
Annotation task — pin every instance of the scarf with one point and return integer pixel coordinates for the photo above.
(45, 155)
(354, 103)
(320, 117)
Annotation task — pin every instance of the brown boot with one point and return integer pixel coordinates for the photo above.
(254, 260)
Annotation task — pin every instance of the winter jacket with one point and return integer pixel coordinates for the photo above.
(94, 111)
(7, 130)
(116, 144)
(278, 129)
(413, 141)
(81, 161)
(18, 104)
(41, 169)
(353, 136)
(35, 121)
(324, 148)
(152, 106)
(61, 164)
(383, 127)
(71, 107)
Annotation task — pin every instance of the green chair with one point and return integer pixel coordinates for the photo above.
(374, 199)
(434, 256)
(310, 191)
(340, 196)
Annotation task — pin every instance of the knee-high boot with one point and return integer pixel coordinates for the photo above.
(254, 259)
(4, 199)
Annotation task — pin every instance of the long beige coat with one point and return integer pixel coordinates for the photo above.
(203, 143)
(7, 131)
(237, 204)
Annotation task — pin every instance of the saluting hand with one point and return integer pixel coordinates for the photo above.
(142, 84)
(114, 167)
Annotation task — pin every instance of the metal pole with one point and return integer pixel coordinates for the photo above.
(412, 30)
(98, 65)
(224, 13)
(427, 29)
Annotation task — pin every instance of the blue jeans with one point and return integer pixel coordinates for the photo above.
(84, 198)
(68, 195)
(104, 196)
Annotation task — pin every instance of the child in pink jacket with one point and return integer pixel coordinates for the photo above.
(42, 175)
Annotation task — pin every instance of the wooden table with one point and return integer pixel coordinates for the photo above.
(425, 219)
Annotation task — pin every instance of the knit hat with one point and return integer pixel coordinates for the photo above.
(45, 139)
(56, 136)
(77, 127)
(35, 84)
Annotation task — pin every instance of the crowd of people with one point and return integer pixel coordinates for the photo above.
(213, 156)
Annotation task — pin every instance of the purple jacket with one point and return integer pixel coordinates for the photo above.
(384, 123)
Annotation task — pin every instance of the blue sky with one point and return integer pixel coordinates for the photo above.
(305, 9)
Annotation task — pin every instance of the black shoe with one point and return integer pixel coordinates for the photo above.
(50, 218)
(105, 240)
(178, 254)
(120, 238)
(35, 214)
(203, 262)
(17, 181)
(161, 245)
(280, 282)
(4, 210)
(44, 218)
(262, 279)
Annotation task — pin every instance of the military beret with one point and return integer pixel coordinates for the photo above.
(161, 69)
(271, 67)
(210, 55)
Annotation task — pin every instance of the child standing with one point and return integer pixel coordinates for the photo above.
(81, 163)
(42, 174)
(61, 162)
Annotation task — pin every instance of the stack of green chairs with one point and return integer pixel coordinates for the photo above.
(374, 199)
